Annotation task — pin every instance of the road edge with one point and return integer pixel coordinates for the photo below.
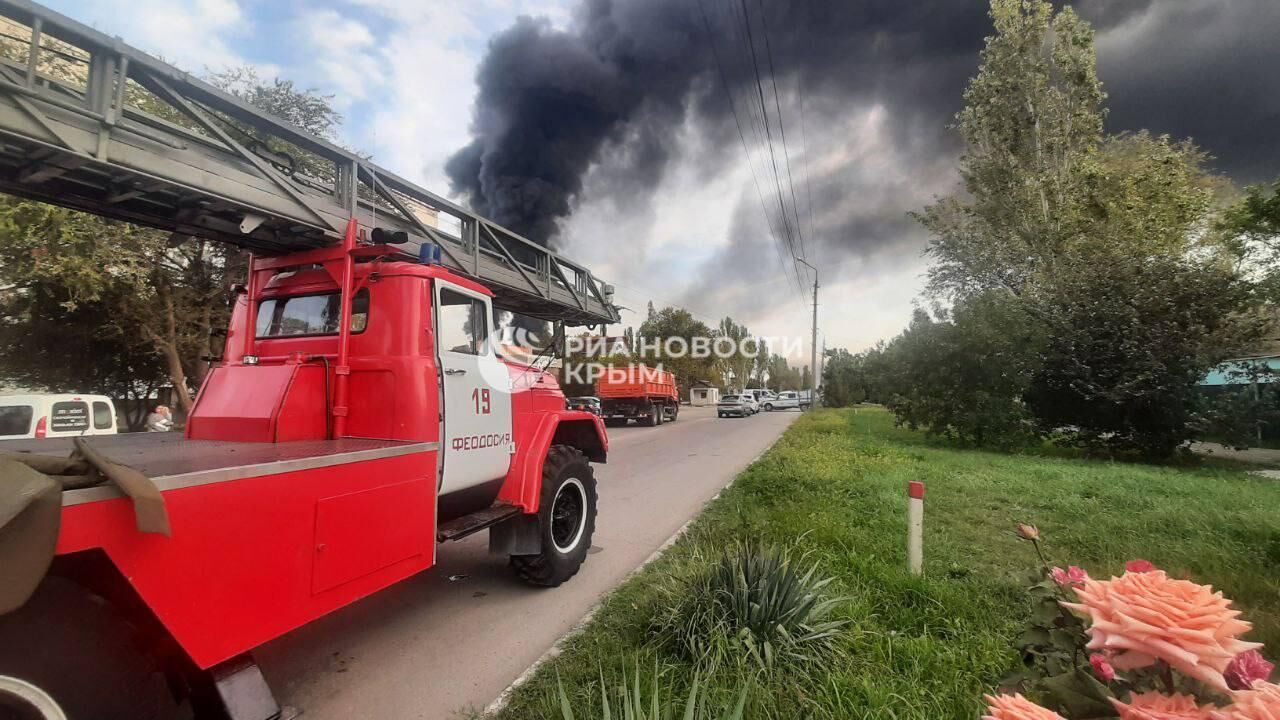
(500, 702)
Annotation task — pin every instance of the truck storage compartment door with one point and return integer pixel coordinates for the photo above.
(362, 532)
(477, 443)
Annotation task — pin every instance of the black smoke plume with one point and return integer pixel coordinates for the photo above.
(627, 75)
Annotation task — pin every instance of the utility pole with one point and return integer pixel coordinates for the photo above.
(813, 345)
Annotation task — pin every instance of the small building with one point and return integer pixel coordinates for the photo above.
(704, 395)
(1243, 372)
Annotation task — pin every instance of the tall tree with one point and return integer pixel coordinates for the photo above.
(1098, 254)
(1032, 119)
(669, 335)
(738, 366)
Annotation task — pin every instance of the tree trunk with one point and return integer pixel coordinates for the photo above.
(178, 376)
(168, 346)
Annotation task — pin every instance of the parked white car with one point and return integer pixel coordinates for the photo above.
(785, 400)
(750, 399)
(56, 415)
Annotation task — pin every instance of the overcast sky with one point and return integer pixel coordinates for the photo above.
(662, 201)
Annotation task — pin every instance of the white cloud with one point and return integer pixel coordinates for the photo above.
(192, 34)
(344, 53)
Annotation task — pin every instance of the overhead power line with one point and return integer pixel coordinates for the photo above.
(789, 230)
(777, 230)
(782, 127)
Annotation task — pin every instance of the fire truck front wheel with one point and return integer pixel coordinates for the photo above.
(566, 519)
(67, 654)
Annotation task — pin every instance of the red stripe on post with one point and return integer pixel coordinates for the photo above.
(915, 490)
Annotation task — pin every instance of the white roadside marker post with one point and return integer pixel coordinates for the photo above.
(915, 527)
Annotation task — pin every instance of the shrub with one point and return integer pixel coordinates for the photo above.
(755, 602)
(634, 702)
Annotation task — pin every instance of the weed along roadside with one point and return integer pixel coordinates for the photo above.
(812, 538)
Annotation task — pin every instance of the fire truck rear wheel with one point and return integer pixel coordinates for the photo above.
(68, 654)
(566, 517)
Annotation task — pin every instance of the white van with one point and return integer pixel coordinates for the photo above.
(50, 416)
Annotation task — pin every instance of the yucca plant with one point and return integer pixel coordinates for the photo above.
(637, 703)
(757, 601)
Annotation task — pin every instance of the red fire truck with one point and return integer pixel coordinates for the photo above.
(361, 413)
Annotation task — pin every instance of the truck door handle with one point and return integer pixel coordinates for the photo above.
(455, 371)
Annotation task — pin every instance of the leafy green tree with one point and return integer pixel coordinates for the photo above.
(668, 336)
(1252, 227)
(1089, 287)
(1256, 216)
(964, 377)
(739, 366)
(1128, 339)
(784, 376)
(1032, 120)
(842, 384)
(852, 378)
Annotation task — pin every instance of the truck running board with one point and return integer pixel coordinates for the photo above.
(459, 528)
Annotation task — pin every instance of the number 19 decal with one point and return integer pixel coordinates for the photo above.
(480, 396)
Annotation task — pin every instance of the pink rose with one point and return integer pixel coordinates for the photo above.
(1070, 577)
(1139, 618)
(1139, 566)
(1261, 702)
(1102, 667)
(1016, 707)
(1246, 668)
(1154, 706)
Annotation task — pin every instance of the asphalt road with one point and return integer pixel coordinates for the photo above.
(451, 639)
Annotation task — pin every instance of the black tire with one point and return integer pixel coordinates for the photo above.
(675, 413)
(720, 415)
(768, 407)
(79, 652)
(661, 412)
(651, 418)
(565, 474)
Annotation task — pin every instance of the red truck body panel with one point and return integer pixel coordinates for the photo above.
(253, 558)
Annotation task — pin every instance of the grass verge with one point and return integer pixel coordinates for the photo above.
(834, 487)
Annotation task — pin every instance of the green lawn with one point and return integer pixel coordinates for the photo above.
(928, 647)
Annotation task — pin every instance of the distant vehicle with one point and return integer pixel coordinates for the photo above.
(806, 398)
(49, 415)
(644, 394)
(786, 400)
(588, 403)
(733, 406)
(751, 399)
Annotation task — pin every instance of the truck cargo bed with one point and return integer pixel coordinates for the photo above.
(173, 462)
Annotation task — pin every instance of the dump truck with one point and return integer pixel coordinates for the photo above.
(637, 392)
(361, 412)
